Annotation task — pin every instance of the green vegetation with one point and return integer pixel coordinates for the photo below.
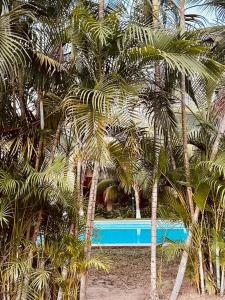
(130, 95)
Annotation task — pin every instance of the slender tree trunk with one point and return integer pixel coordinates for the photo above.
(155, 13)
(210, 262)
(154, 199)
(89, 227)
(217, 266)
(83, 172)
(222, 283)
(14, 96)
(137, 200)
(79, 199)
(39, 153)
(64, 276)
(194, 215)
(154, 293)
(154, 203)
(201, 272)
(185, 143)
(101, 8)
(184, 260)
(41, 108)
(184, 117)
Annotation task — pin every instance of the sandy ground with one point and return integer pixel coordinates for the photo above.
(129, 278)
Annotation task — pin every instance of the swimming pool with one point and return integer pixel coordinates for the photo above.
(135, 232)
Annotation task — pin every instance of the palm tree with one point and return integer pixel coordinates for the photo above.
(12, 50)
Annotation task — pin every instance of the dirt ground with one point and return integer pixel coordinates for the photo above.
(129, 278)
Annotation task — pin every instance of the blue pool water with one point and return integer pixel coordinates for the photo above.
(135, 232)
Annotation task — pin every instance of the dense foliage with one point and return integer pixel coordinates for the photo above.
(112, 100)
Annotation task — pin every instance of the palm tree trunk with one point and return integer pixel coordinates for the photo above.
(39, 153)
(194, 214)
(89, 227)
(64, 276)
(217, 266)
(137, 201)
(154, 293)
(184, 260)
(154, 199)
(181, 270)
(101, 8)
(79, 199)
(201, 272)
(155, 12)
(222, 282)
(184, 118)
(41, 108)
(83, 172)
(185, 143)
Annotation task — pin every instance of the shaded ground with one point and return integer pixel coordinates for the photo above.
(129, 278)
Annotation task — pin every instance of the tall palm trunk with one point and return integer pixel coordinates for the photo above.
(154, 196)
(194, 214)
(41, 109)
(64, 276)
(184, 260)
(83, 172)
(185, 143)
(155, 13)
(154, 293)
(154, 201)
(217, 265)
(79, 198)
(101, 7)
(89, 227)
(93, 190)
(201, 271)
(137, 201)
(222, 282)
(184, 117)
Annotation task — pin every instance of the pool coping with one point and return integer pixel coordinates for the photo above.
(160, 222)
(121, 245)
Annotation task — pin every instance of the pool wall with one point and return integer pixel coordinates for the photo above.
(135, 233)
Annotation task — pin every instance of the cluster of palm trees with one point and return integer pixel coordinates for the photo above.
(129, 91)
